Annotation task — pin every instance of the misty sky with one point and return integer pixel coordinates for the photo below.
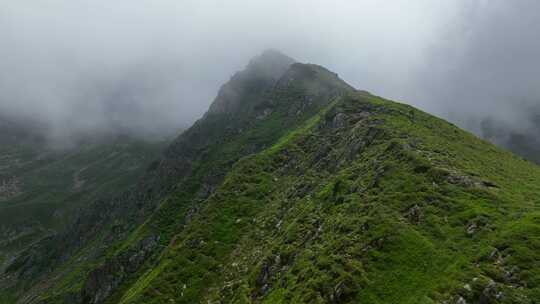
(156, 65)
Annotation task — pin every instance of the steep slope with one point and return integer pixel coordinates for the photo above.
(369, 201)
(113, 239)
(48, 181)
(213, 145)
(296, 188)
(42, 188)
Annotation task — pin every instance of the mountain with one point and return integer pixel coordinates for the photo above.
(297, 188)
(43, 187)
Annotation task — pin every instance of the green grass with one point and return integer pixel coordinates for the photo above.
(396, 206)
(220, 142)
(48, 178)
(49, 199)
(352, 230)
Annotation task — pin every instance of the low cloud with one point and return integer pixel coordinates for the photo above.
(151, 67)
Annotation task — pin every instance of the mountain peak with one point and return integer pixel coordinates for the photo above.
(270, 63)
(297, 175)
(261, 73)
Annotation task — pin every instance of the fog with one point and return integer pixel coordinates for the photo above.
(487, 66)
(152, 67)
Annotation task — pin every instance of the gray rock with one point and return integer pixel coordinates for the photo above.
(102, 281)
(339, 121)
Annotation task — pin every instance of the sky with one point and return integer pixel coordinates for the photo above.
(153, 66)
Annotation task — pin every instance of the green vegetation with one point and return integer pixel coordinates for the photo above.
(391, 206)
(51, 180)
(306, 191)
(53, 184)
(219, 140)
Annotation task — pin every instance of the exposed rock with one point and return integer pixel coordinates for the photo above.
(511, 275)
(337, 294)
(461, 300)
(490, 293)
(265, 113)
(476, 224)
(460, 179)
(78, 182)
(471, 228)
(9, 187)
(339, 121)
(494, 255)
(269, 268)
(102, 281)
(414, 214)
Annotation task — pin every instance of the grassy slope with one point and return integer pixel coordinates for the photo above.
(393, 206)
(48, 184)
(225, 148)
(48, 177)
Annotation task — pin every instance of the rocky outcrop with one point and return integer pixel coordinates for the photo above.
(102, 281)
(9, 187)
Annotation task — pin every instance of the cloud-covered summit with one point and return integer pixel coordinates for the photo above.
(150, 67)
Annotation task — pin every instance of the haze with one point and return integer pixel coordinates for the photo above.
(152, 67)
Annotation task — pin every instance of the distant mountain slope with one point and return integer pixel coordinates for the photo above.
(50, 178)
(42, 188)
(297, 188)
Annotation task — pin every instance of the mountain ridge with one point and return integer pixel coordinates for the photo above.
(178, 161)
(303, 189)
(267, 276)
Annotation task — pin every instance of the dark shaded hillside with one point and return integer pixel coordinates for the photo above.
(42, 189)
(48, 180)
(296, 188)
